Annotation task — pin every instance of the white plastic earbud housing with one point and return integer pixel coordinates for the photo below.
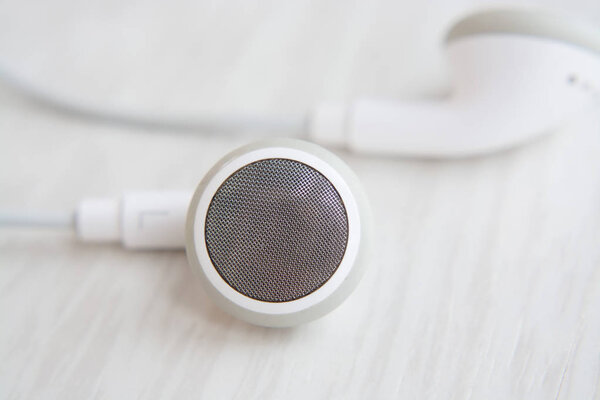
(347, 274)
(515, 75)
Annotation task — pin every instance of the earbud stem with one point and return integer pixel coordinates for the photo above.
(506, 90)
(424, 129)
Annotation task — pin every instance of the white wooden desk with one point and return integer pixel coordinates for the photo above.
(485, 282)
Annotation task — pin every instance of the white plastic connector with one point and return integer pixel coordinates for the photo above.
(327, 125)
(144, 220)
(97, 220)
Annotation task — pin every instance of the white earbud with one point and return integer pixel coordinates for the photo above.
(278, 231)
(516, 74)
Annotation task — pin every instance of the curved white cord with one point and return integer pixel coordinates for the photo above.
(284, 126)
(36, 219)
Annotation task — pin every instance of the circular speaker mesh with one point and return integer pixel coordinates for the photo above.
(276, 230)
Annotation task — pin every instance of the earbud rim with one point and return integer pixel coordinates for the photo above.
(528, 22)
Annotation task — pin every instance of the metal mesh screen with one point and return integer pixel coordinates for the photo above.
(276, 230)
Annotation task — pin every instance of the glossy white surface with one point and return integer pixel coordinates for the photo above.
(485, 281)
(507, 90)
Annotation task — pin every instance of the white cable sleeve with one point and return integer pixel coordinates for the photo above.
(140, 220)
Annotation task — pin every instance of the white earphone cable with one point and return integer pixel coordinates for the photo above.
(36, 219)
(291, 126)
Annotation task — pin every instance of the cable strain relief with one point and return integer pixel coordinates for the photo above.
(98, 220)
(327, 125)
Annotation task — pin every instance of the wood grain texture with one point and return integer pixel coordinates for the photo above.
(485, 282)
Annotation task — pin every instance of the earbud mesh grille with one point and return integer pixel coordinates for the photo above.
(276, 230)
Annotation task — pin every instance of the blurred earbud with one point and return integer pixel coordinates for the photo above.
(516, 74)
